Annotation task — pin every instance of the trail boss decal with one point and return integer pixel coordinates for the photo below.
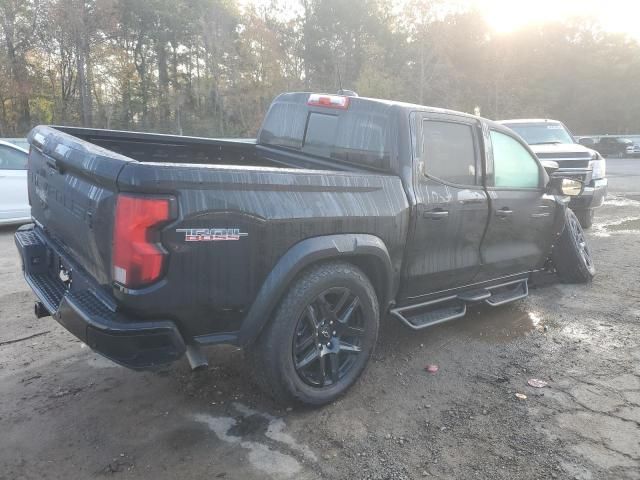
(211, 234)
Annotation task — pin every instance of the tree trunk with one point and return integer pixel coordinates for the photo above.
(82, 64)
(18, 72)
(163, 82)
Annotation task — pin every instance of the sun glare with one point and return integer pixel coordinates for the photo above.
(508, 15)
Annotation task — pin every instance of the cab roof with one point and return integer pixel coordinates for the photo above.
(300, 97)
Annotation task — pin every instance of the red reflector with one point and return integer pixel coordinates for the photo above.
(137, 259)
(329, 101)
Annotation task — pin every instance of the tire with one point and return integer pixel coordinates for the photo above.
(571, 255)
(585, 217)
(299, 358)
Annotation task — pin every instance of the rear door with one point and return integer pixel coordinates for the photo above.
(14, 202)
(443, 250)
(519, 233)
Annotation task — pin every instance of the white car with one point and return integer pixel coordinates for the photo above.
(633, 150)
(14, 199)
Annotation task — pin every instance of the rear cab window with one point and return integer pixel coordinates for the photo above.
(358, 135)
(448, 148)
(449, 152)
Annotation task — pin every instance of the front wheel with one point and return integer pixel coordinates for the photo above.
(571, 254)
(321, 337)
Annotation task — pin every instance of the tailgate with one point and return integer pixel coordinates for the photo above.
(72, 191)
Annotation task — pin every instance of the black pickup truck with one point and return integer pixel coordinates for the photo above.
(293, 245)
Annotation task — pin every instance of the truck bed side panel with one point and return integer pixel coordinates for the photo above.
(216, 281)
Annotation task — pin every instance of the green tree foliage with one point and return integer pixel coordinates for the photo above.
(211, 67)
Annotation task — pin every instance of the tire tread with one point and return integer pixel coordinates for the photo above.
(262, 354)
(566, 259)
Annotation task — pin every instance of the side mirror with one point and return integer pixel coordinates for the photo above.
(565, 186)
(550, 166)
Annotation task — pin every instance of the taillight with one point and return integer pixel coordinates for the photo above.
(329, 101)
(138, 259)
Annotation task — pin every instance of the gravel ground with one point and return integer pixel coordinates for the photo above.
(67, 413)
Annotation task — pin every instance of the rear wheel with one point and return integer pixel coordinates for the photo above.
(585, 217)
(571, 255)
(321, 337)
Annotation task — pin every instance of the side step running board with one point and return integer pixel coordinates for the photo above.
(507, 292)
(431, 313)
(427, 314)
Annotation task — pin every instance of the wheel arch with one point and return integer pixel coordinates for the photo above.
(367, 252)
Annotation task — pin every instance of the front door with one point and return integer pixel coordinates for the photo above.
(452, 209)
(519, 234)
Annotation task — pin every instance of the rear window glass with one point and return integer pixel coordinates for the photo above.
(284, 125)
(358, 135)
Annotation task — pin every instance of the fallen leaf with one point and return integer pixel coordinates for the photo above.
(535, 383)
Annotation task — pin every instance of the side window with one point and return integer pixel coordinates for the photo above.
(448, 152)
(12, 159)
(513, 165)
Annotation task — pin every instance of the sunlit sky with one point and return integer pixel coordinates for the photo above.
(622, 16)
(508, 15)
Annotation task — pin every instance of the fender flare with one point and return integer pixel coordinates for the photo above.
(300, 256)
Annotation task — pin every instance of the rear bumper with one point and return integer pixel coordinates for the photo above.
(79, 308)
(592, 197)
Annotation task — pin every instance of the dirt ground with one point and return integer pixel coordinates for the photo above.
(67, 413)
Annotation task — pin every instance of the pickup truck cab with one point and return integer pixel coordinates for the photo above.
(551, 140)
(293, 245)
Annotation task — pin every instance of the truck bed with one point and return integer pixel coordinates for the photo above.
(159, 148)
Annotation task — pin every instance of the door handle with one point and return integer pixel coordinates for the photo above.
(504, 212)
(436, 214)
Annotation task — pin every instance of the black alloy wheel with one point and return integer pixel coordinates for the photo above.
(328, 337)
(320, 338)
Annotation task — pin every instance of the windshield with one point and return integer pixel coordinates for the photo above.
(543, 133)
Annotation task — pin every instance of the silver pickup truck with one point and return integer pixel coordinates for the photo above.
(552, 140)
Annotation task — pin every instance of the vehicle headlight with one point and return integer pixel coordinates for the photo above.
(598, 166)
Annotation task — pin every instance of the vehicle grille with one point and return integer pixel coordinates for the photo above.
(568, 160)
(561, 155)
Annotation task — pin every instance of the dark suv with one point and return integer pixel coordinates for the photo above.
(615, 146)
